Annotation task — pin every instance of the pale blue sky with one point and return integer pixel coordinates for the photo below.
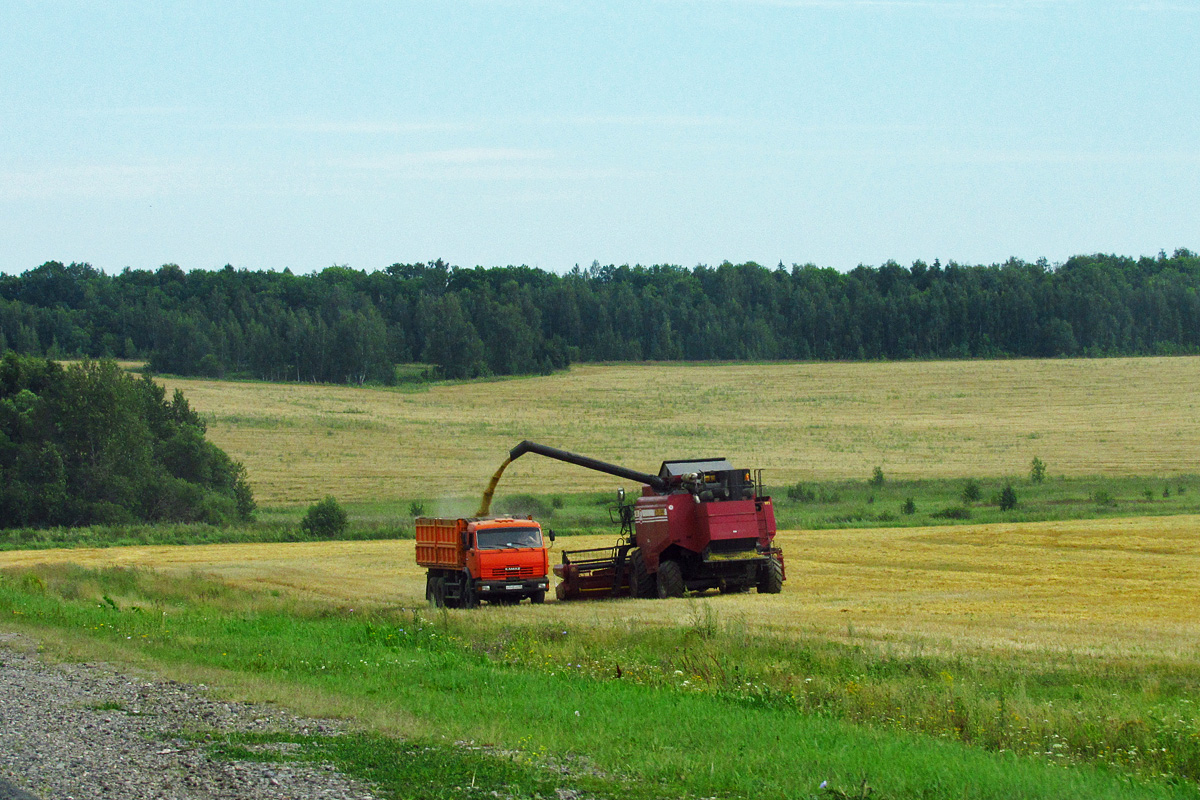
(548, 133)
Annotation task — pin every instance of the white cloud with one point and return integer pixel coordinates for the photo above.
(356, 127)
(101, 181)
(452, 157)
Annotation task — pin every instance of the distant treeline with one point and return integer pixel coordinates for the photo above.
(345, 325)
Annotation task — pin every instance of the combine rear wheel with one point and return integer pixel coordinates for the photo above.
(641, 584)
(770, 577)
(670, 579)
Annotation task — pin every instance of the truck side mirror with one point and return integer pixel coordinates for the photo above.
(550, 533)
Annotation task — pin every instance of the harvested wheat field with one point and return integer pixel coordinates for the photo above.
(797, 421)
(1113, 587)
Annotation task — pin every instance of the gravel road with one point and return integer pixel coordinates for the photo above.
(89, 732)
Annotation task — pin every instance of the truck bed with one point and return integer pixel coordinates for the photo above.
(439, 542)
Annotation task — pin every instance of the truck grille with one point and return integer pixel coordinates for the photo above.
(510, 573)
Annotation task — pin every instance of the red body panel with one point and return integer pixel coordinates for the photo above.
(734, 519)
(661, 521)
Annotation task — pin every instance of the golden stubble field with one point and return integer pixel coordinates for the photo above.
(797, 421)
(1124, 588)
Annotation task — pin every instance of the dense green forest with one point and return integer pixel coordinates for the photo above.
(345, 325)
(91, 443)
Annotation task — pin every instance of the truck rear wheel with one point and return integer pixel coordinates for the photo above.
(437, 590)
(641, 584)
(670, 579)
(770, 577)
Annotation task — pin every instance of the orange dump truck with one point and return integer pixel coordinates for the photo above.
(500, 560)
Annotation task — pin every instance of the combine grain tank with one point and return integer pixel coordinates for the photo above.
(699, 524)
(499, 560)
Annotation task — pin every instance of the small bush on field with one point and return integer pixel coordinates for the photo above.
(1037, 470)
(526, 505)
(877, 477)
(953, 512)
(1102, 498)
(325, 519)
(909, 507)
(800, 493)
(1008, 498)
(416, 509)
(971, 491)
(1148, 493)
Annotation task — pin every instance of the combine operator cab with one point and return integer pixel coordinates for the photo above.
(698, 524)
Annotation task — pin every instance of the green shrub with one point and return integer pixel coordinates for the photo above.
(416, 509)
(953, 512)
(800, 493)
(525, 505)
(211, 367)
(325, 519)
(1037, 470)
(909, 507)
(1102, 498)
(971, 491)
(1008, 498)
(877, 477)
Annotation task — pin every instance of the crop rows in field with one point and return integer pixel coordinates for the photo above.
(797, 421)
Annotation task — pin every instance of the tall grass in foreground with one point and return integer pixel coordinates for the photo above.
(703, 709)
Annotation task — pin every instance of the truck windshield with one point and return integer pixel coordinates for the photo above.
(499, 538)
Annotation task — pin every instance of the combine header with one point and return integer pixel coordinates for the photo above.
(698, 525)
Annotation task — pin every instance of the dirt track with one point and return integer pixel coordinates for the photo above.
(88, 732)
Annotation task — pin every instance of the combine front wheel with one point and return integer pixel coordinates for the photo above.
(770, 577)
(641, 584)
(670, 579)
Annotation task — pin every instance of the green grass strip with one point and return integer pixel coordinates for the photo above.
(655, 742)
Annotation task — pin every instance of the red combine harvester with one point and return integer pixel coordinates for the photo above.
(698, 525)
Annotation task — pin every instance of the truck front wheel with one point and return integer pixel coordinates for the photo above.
(469, 598)
(538, 597)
